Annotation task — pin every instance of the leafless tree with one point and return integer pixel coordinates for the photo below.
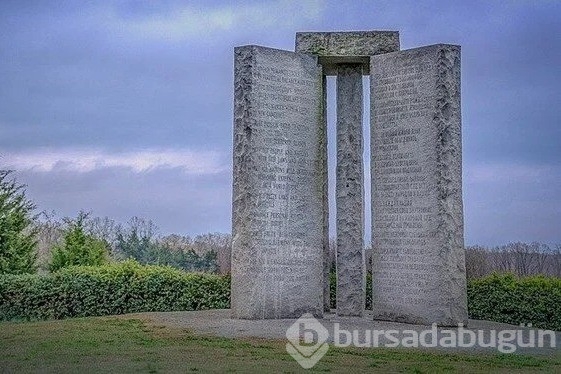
(478, 261)
(103, 228)
(50, 231)
(542, 258)
(556, 261)
(523, 257)
(502, 259)
(220, 243)
(177, 242)
(144, 227)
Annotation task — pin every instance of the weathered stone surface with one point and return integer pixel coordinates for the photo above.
(418, 255)
(350, 192)
(277, 213)
(347, 43)
(348, 47)
(325, 192)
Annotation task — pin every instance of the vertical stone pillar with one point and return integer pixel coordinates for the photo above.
(325, 191)
(349, 192)
(277, 217)
(418, 259)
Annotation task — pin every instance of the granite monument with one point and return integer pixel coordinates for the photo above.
(280, 214)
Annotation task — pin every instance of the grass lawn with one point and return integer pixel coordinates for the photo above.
(120, 345)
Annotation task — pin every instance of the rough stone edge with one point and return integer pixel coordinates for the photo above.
(448, 122)
(242, 93)
(325, 201)
(244, 59)
(447, 87)
(350, 180)
(323, 43)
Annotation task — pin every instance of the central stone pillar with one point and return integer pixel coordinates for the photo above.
(350, 192)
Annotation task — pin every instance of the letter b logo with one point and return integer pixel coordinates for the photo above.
(307, 341)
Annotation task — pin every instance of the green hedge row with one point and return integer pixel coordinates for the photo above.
(125, 287)
(503, 298)
(507, 298)
(128, 287)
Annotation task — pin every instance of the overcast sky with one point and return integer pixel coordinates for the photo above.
(124, 108)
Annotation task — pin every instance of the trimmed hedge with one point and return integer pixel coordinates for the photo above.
(507, 298)
(503, 298)
(129, 287)
(126, 287)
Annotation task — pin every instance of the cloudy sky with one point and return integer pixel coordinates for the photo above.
(124, 108)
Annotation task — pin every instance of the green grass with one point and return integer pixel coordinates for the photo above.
(121, 345)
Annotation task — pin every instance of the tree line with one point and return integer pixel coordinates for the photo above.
(137, 239)
(42, 242)
(522, 259)
(31, 242)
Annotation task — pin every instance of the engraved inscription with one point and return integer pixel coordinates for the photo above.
(403, 192)
(277, 210)
(418, 272)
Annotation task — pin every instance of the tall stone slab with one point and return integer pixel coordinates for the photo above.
(349, 193)
(418, 253)
(277, 213)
